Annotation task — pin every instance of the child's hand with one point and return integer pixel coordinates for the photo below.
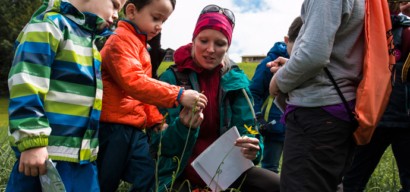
(249, 146)
(191, 119)
(276, 64)
(33, 161)
(191, 99)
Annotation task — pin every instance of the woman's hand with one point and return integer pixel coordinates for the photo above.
(249, 146)
(191, 119)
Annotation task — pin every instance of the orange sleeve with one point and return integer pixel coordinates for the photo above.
(123, 60)
(153, 115)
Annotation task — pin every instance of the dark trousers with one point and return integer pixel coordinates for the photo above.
(318, 148)
(124, 155)
(368, 156)
(254, 179)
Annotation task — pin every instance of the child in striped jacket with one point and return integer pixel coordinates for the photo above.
(56, 91)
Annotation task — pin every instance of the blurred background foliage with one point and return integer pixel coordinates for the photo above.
(14, 16)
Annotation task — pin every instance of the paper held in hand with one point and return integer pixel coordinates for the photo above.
(222, 162)
(51, 181)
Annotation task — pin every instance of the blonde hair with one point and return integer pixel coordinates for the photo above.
(227, 64)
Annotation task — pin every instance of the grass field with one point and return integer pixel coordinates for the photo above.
(248, 68)
(6, 156)
(385, 177)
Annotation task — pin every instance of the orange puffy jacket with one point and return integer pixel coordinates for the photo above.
(129, 91)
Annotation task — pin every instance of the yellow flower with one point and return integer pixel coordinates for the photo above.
(250, 130)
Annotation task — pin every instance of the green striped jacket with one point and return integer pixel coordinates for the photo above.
(55, 84)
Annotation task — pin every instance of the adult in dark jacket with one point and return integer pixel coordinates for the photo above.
(267, 113)
(394, 127)
(156, 53)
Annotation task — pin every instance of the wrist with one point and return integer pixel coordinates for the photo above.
(180, 94)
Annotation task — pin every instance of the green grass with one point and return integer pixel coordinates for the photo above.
(6, 156)
(3, 116)
(248, 68)
(385, 177)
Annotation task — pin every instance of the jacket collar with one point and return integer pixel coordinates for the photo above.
(134, 28)
(278, 49)
(85, 20)
(234, 79)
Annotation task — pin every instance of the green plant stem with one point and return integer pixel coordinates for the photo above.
(218, 170)
(159, 153)
(185, 145)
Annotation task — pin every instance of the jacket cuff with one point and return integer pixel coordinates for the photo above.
(179, 97)
(32, 142)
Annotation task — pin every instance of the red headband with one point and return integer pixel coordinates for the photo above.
(216, 21)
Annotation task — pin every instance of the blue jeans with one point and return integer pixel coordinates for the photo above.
(272, 152)
(124, 155)
(75, 177)
(367, 158)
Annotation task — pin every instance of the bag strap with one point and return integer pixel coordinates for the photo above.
(182, 78)
(267, 105)
(350, 112)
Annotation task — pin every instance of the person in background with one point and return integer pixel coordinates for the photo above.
(156, 53)
(319, 131)
(273, 132)
(394, 127)
(130, 94)
(56, 91)
(210, 71)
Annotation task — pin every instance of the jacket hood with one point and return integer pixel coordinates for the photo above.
(88, 21)
(234, 79)
(278, 49)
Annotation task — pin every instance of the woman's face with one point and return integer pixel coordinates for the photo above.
(209, 48)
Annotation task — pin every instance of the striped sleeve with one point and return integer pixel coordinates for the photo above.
(29, 81)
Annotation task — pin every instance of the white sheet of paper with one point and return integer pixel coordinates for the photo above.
(51, 181)
(222, 162)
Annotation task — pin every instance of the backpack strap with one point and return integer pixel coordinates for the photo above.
(267, 105)
(348, 110)
(182, 78)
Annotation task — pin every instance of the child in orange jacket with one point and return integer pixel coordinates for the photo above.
(130, 94)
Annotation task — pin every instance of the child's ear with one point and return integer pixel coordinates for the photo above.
(286, 39)
(130, 11)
